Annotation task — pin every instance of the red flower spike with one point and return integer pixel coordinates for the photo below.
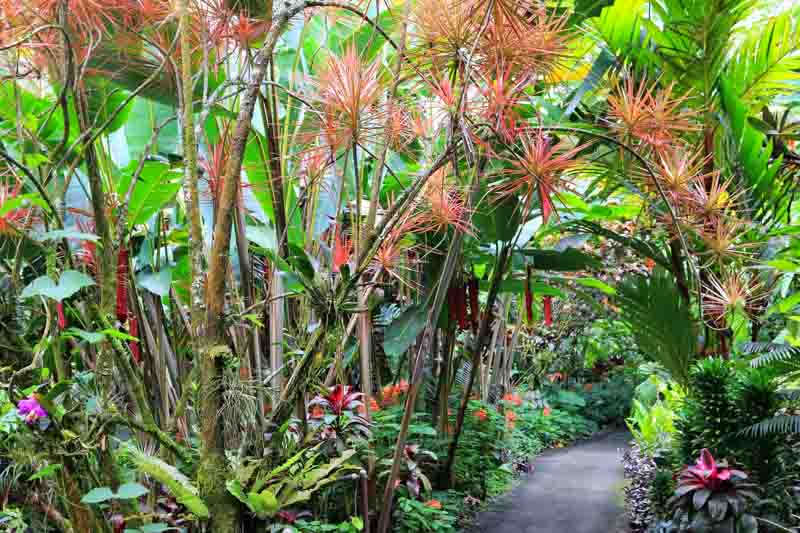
(528, 296)
(548, 311)
(474, 307)
(342, 250)
(452, 304)
(136, 349)
(461, 295)
(62, 319)
(341, 398)
(122, 285)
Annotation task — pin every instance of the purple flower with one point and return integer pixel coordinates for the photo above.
(31, 410)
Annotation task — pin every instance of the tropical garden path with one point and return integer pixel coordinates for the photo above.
(572, 490)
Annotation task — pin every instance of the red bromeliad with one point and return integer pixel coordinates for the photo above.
(712, 493)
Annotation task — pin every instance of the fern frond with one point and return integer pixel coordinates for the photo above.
(778, 424)
(179, 485)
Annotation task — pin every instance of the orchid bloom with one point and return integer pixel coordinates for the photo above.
(31, 410)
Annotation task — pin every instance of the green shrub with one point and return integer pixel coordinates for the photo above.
(661, 492)
(412, 516)
(653, 427)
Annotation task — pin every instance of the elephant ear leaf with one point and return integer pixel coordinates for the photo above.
(71, 281)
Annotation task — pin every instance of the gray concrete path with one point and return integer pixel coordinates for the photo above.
(572, 490)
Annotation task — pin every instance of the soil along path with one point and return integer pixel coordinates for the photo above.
(572, 490)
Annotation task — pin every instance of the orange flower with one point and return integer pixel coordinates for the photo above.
(317, 412)
(511, 416)
(433, 504)
(373, 406)
(513, 398)
(546, 411)
(588, 387)
(649, 263)
(481, 415)
(402, 387)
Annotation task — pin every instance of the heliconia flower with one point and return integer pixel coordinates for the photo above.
(548, 310)
(538, 168)
(528, 296)
(481, 415)
(433, 504)
(317, 412)
(136, 349)
(650, 264)
(546, 411)
(62, 319)
(342, 251)
(31, 410)
(474, 306)
(122, 284)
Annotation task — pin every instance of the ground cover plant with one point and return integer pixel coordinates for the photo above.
(334, 265)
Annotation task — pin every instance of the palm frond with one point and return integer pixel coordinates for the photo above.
(660, 320)
(643, 248)
(777, 424)
(770, 353)
(767, 62)
(757, 168)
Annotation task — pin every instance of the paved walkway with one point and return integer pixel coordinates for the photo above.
(572, 490)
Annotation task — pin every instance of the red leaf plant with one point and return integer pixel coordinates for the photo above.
(710, 493)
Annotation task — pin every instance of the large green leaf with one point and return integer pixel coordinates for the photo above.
(561, 261)
(71, 281)
(156, 187)
(404, 330)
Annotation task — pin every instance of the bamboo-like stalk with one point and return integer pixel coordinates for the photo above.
(477, 353)
(446, 276)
